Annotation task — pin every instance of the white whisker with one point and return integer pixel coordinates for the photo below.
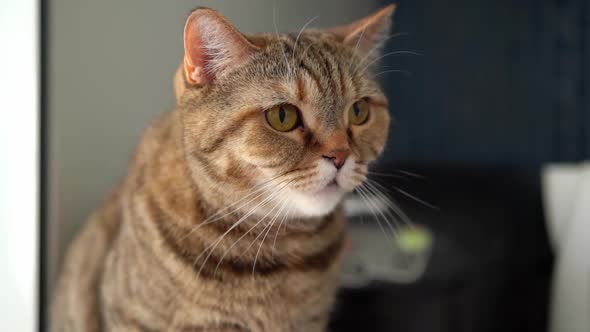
(214, 245)
(386, 55)
(412, 174)
(245, 234)
(389, 202)
(285, 217)
(274, 21)
(407, 73)
(421, 201)
(394, 217)
(215, 217)
(371, 207)
(299, 35)
(370, 193)
(356, 49)
(358, 41)
(397, 176)
(271, 223)
(378, 47)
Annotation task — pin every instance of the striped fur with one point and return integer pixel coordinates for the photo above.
(165, 251)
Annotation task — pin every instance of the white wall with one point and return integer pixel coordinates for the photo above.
(111, 72)
(18, 164)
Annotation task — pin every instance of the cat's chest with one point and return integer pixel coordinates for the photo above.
(294, 304)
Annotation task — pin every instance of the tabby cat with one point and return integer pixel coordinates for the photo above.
(230, 217)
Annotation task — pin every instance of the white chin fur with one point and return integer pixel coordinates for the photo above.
(320, 202)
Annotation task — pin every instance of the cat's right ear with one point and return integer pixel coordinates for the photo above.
(212, 47)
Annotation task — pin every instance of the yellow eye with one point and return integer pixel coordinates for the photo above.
(283, 117)
(358, 113)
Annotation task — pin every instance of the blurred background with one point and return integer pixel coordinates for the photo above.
(484, 121)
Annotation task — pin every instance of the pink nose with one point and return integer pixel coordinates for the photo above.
(338, 157)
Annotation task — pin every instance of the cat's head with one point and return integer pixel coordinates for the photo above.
(298, 116)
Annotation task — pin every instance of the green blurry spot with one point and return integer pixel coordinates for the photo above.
(413, 239)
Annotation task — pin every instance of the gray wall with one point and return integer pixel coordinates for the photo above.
(110, 72)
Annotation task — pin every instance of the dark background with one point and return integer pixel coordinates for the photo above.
(501, 83)
(500, 90)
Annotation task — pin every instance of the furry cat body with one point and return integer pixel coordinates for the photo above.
(223, 223)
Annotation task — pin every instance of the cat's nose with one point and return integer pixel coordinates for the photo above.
(338, 157)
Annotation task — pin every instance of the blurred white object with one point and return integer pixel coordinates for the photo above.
(566, 191)
(19, 166)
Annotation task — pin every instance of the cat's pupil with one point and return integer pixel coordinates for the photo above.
(282, 114)
(356, 109)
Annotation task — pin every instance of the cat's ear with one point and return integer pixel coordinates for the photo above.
(369, 33)
(212, 46)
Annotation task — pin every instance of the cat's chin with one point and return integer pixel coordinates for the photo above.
(318, 203)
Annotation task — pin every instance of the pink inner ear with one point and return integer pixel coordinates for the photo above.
(195, 59)
(195, 52)
(213, 47)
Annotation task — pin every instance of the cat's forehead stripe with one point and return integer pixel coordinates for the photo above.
(319, 60)
(301, 92)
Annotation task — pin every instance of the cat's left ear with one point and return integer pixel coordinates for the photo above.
(367, 34)
(212, 46)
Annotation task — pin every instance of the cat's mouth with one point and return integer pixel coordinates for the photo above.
(320, 201)
(330, 188)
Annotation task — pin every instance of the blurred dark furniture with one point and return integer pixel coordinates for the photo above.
(491, 264)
